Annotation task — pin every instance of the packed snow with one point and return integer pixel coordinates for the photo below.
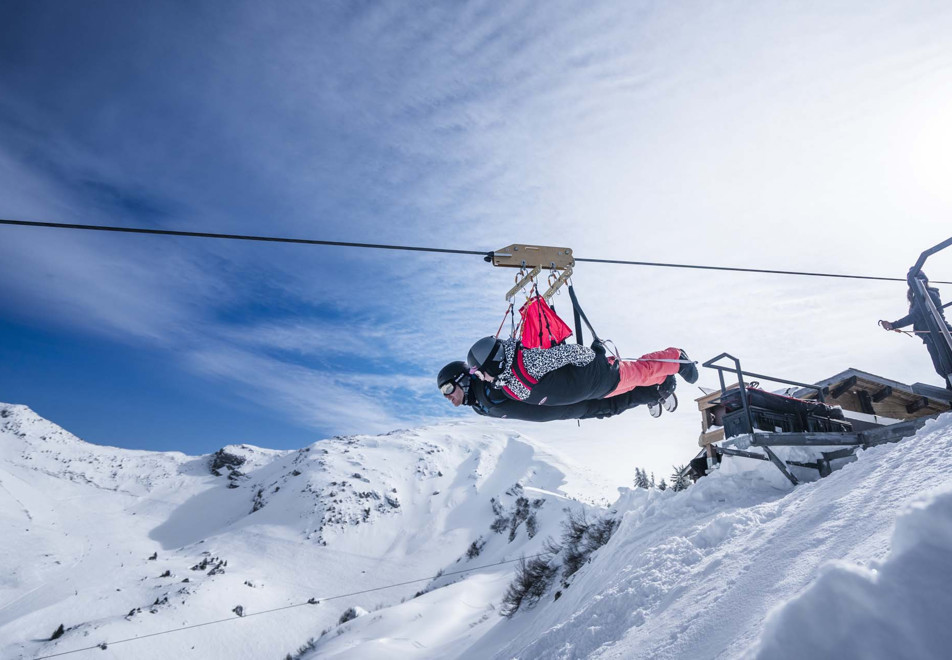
(403, 546)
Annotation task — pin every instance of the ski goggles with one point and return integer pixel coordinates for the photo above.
(447, 388)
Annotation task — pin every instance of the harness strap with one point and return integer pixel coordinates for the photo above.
(504, 321)
(579, 313)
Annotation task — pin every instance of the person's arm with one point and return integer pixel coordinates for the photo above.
(615, 405)
(528, 412)
(901, 323)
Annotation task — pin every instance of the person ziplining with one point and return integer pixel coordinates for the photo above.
(462, 388)
(536, 376)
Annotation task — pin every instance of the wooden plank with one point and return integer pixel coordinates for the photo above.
(710, 437)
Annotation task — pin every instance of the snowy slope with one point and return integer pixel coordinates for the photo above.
(265, 530)
(852, 566)
(739, 565)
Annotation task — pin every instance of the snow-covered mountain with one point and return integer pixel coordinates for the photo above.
(117, 544)
(247, 527)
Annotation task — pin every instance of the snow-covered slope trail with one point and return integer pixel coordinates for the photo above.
(857, 565)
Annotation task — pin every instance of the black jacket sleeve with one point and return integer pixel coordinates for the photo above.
(489, 402)
(618, 404)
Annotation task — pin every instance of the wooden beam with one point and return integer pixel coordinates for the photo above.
(883, 393)
(917, 405)
(842, 388)
(865, 402)
(710, 437)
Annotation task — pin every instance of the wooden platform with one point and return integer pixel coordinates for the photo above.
(852, 390)
(862, 392)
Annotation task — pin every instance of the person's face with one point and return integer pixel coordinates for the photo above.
(456, 396)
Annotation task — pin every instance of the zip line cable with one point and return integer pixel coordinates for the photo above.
(416, 248)
(234, 237)
(312, 601)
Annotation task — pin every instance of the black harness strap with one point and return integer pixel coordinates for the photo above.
(579, 313)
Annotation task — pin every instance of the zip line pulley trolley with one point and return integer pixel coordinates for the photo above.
(532, 260)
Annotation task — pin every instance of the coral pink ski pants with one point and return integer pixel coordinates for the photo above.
(643, 372)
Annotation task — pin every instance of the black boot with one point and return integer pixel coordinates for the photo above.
(688, 370)
(667, 386)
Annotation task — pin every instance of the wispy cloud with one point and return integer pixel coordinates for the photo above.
(328, 401)
(720, 135)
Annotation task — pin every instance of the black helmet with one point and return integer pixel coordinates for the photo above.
(488, 356)
(452, 373)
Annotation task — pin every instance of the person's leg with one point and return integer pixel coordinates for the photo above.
(608, 407)
(646, 371)
(937, 360)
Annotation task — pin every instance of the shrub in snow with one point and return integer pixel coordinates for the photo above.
(308, 646)
(599, 532)
(533, 578)
(532, 527)
(520, 514)
(475, 548)
(58, 632)
(350, 614)
(239, 610)
(581, 537)
(258, 501)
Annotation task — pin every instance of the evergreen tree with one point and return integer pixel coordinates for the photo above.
(641, 479)
(653, 484)
(679, 478)
(662, 485)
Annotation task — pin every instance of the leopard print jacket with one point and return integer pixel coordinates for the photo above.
(539, 362)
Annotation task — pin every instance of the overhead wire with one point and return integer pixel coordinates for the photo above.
(419, 248)
(312, 601)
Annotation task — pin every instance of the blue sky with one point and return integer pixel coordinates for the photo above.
(776, 136)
